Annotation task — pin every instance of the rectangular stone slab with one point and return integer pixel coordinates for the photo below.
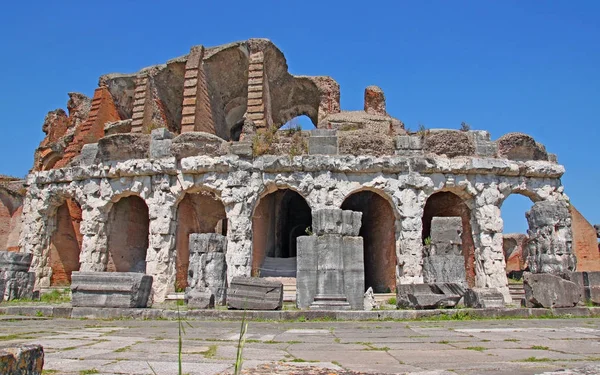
(253, 293)
(111, 289)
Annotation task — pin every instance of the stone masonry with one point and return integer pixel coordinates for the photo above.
(174, 130)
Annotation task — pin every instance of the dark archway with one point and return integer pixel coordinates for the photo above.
(65, 243)
(199, 212)
(128, 233)
(379, 236)
(279, 219)
(447, 204)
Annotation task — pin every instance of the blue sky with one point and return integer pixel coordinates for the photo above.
(502, 66)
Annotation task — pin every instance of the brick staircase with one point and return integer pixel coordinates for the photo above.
(256, 106)
(197, 110)
(139, 103)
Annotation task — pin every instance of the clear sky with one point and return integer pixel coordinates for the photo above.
(501, 66)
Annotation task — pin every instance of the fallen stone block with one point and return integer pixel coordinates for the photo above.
(22, 360)
(200, 299)
(484, 298)
(207, 269)
(336, 221)
(251, 293)
(547, 290)
(588, 284)
(111, 289)
(17, 282)
(428, 296)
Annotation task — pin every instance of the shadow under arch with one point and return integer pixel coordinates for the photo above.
(127, 228)
(378, 230)
(65, 241)
(198, 211)
(448, 203)
(280, 216)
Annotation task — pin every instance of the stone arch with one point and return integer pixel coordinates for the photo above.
(379, 232)
(127, 233)
(198, 211)
(65, 241)
(280, 215)
(449, 203)
(515, 244)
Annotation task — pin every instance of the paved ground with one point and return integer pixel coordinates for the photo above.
(416, 347)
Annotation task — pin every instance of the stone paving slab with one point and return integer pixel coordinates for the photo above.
(383, 347)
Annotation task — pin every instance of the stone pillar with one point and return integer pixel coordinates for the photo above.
(410, 244)
(375, 101)
(207, 278)
(550, 238)
(444, 261)
(330, 263)
(15, 279)
(490, 265)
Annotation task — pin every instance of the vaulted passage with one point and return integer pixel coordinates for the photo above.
(378, 232)
(279, 219)
(128, 235)
(65, 243)
(201, 212)
(447, 204)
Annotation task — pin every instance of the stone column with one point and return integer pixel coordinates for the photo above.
(490, 265)
(207, 281)
(410, 249)
(330, 262)
(550, 238)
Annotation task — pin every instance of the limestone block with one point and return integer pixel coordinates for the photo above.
(118, 127)
(369, 300)
(319, 145)
(15, 262)
(588, 284)
(111, 289)
(484, 298)
(208, 267)
(336, 221)
(428, 296)
(198, 143)
(204, 299)
(306, 276)
(88, 155)
(251, 293)
(444, 269)
(409, 143)
(547, 290)
(123, 147)
(550, 247)
(22, 360)
(161, 134)
(160, 148)
(446, 235)
(243, 149)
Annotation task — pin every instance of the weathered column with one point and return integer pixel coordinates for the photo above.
(550, 238)
(444, 261)
(15, 279)
(207, 281)
(490, 265)
(330, 262)
(410, 249)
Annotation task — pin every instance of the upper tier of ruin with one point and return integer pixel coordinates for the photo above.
(232, 99)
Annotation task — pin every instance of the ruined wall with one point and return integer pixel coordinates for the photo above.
(585, 243)
(324, 181)
(10, 219)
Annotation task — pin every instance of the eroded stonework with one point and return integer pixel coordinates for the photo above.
(186, 127)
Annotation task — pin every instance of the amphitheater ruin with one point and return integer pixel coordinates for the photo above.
(198, 145)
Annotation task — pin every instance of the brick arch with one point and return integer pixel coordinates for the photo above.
(65, 241)
(280, 215)
(127, 233)
(198, 211)
(379, 230)
(446, 203)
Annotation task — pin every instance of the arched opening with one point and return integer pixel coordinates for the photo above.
(379, 236)
(447, 204)
(128, 233)
(514, 233)
(10, 220)
(65, 243)
(279, 219)
(298, 123)
(200, 212)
